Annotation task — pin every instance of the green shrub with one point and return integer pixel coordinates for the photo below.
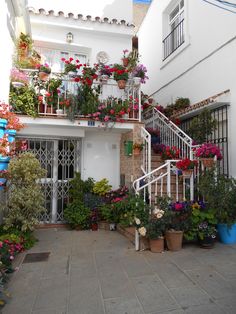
(101, 187)
(25, 198)
(77, 215)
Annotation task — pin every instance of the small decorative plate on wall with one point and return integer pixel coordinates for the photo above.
(102, 57)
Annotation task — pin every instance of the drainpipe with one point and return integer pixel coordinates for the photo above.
(21, 12)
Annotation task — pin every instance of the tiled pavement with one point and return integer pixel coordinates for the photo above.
(99, 272)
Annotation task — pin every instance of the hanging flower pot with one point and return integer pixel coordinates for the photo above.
(187, 173)
(157, 245)
(121, 84)
(3, 123)
(208, 162)
(4, 160)
(11, 135)
(136, 151)
(125, 62)
(43, 76)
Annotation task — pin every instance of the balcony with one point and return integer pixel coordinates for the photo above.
(174, 40)
(100, 103)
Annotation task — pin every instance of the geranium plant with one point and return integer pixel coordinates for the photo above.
(186, 164)
(170, 152)
(120, 73)
(70, 66)
(208, 150)
(44, 68)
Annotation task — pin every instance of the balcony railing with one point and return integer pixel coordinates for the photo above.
(109, 96)
(174, 40)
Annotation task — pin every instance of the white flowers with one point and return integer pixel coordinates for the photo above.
(142, 231)
(158, 213)
(137, 221)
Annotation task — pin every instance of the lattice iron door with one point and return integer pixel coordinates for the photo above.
(61, 159)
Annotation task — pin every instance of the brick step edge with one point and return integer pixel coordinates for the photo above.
(129, 232)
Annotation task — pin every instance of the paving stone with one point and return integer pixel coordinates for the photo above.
(228, 271)
(189, 296)
(85, 295)
(115, 284)
(55, 268)
(51, 311)
(124, 305)
(20, 305)
(172, 276)
(153, 295)
(53, 293)
(205, 309)
(136, 266)
(171, 312)
(227, 303)
(185, 261)
(214, 284)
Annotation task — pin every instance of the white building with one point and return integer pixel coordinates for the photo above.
(99, 31)
(191, 53)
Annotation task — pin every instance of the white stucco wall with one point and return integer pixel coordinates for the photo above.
(101, 156)
(119, 9)
(203, 67)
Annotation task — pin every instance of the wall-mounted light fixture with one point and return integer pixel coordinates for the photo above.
(69, 37)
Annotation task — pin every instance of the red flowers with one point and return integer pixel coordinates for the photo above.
(186, 164)
(170, 152)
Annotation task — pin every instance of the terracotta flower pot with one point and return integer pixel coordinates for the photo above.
(136, 151)
(187, 173)
(125, 62)
(208, 162)
(144, 243)
(94, 226)
(174, 240)
(157, 245)
(121, 84)
(43, 76)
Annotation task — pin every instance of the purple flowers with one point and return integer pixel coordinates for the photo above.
(140, 71)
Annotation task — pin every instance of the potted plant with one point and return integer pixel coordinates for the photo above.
(170, 152)
(139, 74)
(44, 71)
(179, 214)
(207, 152)
(120, 75)
(186, 166)
(137, 148)
(105, 72)
(24, 44)
(70, 67)
(125, 58)
(18, 78)
(220, 195)
(155, 230)
(202, 224)
(77, 215)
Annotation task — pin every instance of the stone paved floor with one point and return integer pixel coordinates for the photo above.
(99, 272)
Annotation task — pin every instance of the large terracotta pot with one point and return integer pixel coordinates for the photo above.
(187, 173)
(121, 84)
(174, 240)
(157, 245)
(43, 76)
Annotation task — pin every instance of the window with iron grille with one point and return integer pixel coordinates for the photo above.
(175, 37)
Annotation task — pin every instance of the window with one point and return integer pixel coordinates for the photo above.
(175, 37)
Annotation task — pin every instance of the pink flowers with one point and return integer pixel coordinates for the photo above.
(208, 150)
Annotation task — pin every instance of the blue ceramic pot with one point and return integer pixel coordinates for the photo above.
(4, 162)
(155, 140)
(227, 234)
(3, 123)
(11, 135)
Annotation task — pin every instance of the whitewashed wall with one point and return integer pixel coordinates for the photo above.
(119, 9)
(203, 67)
(101, 156)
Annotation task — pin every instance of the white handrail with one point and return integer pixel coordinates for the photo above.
(170, 133)
(146, 162)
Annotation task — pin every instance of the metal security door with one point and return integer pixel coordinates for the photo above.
(61, 159)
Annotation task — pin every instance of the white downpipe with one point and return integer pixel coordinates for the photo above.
(136, 240)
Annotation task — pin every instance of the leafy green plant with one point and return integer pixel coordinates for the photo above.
(220, 195)
(180, 103)
(24, 100)
(77, 215)
(25, 197)
(120, 72)
(101, 187)
(202, 126)
(78, 187)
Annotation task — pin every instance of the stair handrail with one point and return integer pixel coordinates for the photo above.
(182, 136)
(146, 160)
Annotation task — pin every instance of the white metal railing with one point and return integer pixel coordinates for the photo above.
(146, 161)
(170, 133)
(108, 90)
